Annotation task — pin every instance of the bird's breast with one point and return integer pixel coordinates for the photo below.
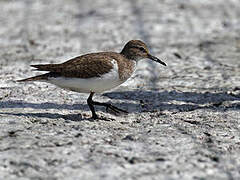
(126, 69)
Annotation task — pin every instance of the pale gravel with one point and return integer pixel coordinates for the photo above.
(184, 118)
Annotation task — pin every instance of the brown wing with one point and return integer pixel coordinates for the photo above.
(86, 66)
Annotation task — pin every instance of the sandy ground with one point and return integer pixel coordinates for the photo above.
(184, 118)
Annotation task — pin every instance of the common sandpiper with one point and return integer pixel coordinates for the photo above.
(96, 72)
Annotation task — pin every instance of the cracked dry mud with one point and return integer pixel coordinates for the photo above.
(183, 121)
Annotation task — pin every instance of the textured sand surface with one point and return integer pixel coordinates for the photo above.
(184, 120)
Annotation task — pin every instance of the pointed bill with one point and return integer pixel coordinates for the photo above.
(156, 59)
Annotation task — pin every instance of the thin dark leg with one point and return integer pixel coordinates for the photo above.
(109, 106)
(90, 104)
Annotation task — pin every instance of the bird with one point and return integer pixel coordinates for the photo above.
(96, 72)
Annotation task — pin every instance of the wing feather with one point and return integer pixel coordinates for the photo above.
(86, 66)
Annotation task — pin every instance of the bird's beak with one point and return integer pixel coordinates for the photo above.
(156, 59)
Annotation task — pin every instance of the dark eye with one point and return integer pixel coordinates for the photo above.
(142, 49)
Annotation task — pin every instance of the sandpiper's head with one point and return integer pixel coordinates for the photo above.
(136, 50)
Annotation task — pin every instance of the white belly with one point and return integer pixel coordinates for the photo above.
(86, 85)
(98, 84)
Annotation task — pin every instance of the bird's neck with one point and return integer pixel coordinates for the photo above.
(128, 55)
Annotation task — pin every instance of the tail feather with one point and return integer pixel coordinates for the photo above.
(35, 78)
(45, 67)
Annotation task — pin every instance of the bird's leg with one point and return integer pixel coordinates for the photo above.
(90, 104)
(107, 105)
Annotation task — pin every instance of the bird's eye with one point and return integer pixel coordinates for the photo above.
(142, 49)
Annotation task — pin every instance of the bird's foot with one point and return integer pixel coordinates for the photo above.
(115, 110)
(94, 117)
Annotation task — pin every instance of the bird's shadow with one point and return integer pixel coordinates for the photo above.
(137, 102)
(166, 96)
(188, 101)
(46, 106)
(67, 117)
(72, 117)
